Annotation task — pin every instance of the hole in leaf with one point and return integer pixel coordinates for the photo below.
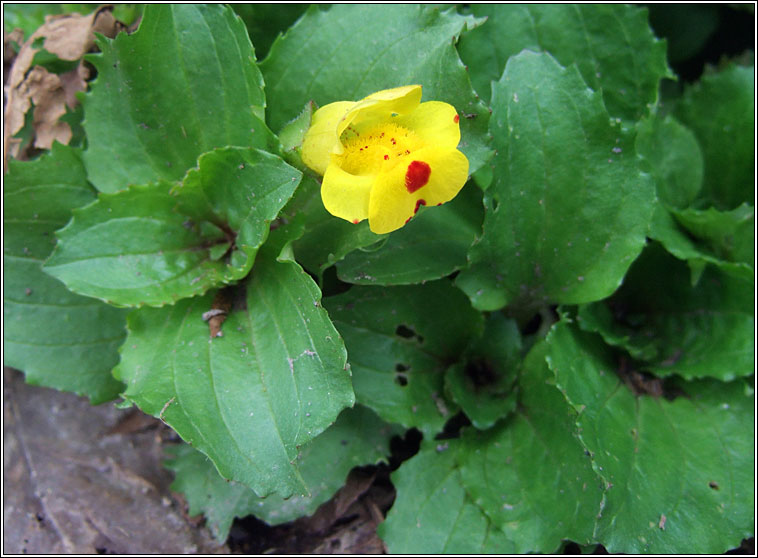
(453, 426)
(401, 379)
(403, 448)
(714, 485)
(405, 331)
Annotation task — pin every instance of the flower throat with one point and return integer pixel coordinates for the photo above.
(368, 151)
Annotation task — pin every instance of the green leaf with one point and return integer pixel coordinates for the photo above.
(242, 189)
(665, 229)
(675, 160)
(720, 110)
(293, 134)
(703, 331)
(432, 513)
(679, 473)
(568, 209)
(357, 438)
(351, 51)
(184, 83)
(530, 474)
(433, 245)
(400, 340)
(612, 45)
(275, 380)
(143, 246)
(484, 384)
(59, 339)
(729, 234)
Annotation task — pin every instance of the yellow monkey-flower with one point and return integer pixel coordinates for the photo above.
(385, 156)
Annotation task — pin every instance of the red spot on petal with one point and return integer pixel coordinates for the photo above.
(419, 203)
(417, 175)
(355, 221)
(386, 157)
(456, 118)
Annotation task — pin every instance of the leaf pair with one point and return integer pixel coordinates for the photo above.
(158, 243)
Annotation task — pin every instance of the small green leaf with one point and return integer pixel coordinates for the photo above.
(719, 109)
(612, 46)
(484, 383)
(52, 63)
(674, 328)
(350, 51)
(58, 339)
(143, 246)
(665, 229)
(400, 340)
(568, 209)
(184, 83)
(433, 245)
(530, 474)
(293, 133)
(730, 235)
(358, 437)
(674, 157)
(275, 380)
(432, 513)
(679, 474)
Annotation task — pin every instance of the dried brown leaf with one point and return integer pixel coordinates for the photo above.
(70, 37)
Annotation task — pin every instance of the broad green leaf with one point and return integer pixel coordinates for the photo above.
(432, 513)
(484, 383)
(351, 51)
(433, 245)
(143, 246)
(703, 331)
(673, 154)
(665, 229)
(400, 340)
(720, 110)
(57, 338)
(357, 438)
(568, 209)
(612, 45)
(275, 380)
(679, 474)
(530, 474)
(184, 83)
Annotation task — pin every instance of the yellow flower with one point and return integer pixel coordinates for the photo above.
(385, 156)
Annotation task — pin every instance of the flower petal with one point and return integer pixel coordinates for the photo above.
(379, 106)
(435, 122)
(346, 195)
(322, 136)
(431, 176)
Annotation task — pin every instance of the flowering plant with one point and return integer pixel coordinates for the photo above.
(385, 156)
(563, 351)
